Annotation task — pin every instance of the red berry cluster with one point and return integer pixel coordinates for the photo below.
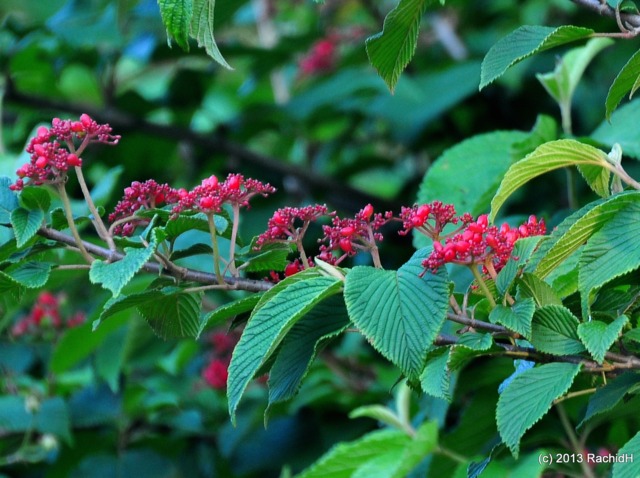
(215, 374)
(482, 244)
(45, 316)
(321, 58)
(348, 235)
(211, 194)
(285, 225)
(54, 150)
(431, 219)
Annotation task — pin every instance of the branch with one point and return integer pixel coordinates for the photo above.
(602, 8)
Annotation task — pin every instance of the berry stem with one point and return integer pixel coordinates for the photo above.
(216, 249)
(234, 235)
(97, 220)
(72, 225)
(373, 249)
(481, 283)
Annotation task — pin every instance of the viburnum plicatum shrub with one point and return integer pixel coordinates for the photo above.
(528, 294)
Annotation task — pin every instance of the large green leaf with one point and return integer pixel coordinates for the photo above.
(598, 336)
(391, 50)
(524, 42)
(115, 275)
(629, 465)
(326, 320)
(607, 254)
(575, 230)
(268, 326)
(173, 314)
(546, 158)
(202, 29)
(176, 17)
(397, 311)
(621, 129)
(624, 82)
(528, 397)
(26, 223)
(517, 317)
(555, 331)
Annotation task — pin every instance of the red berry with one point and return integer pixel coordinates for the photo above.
(367, 211)
(533, 221)
(43, 132)
(278, 219)
(417, 220)
(77, 127)
(210, 182)
(346, 245)
(233, 182)
(347, 231)
(39, 149)
(86, 120)
(437, 246)
(523, 230)
(483, 220)
(159, 199)
(73, 160)
(462, 246)
(206, 202)
(292, 268)
(423, 211)
(41, 162)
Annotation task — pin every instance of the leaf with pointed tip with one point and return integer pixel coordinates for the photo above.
(517, 317)
(543, 294)
(227, 311)
(555, 331)
(529, 397)
(399, 312)
(598, 336)
(267, 327)
(628, 467)
(547, 157)
(391, 50)
(608, 396)
(435, 379)
(8, 200)
(26, 223)
(173, 314)
(31, 275)
(201, 29)
(521, 252)
(524, 42)
(623, 83)
(176, 17)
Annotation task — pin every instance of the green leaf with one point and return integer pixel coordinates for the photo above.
(380, 413)
(517, 318)
(629, 465)
(529, 397)
(524, 42)
(598, 336)
(268, 326)
(173, 314)
(201, 29)
(546, 158)
(623, 83)
(176, 17)
(621, 129)
(391, 50)
(607, 254)
(555, 331)
(8, 200)
(26, 224)
(475, 341)
(31, 275)
(543, 294)
(575, 230)
(273, 259)
(597, 177)
(227, 311)
(35, 198)
(470, 192)
(51, 416)
(344, 459)
(562, 82)
(608, 396)
(435, 378)
(521, 252)
(115, 275)
(399, 313)
(326, 320)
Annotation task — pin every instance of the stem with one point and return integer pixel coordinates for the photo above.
(482, 284)
(571, 189)
(373, 249)
(566, 424)
(575, 394)
(72, 225)
(97, 220)
(450, 454)
(216, 249)
(234, 235)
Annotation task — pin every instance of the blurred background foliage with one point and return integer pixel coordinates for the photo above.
(301, 109)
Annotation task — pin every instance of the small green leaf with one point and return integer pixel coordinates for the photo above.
(398, 312)
(529, 397)
(475, 341)
(524, 42)
(435, 378)
(516, 318)
(607, 254)
(35, 198)
(227, 311)
(546, 158)
(521, 252)
(31, 275)
(608, 396)
(555, 331)
(26, 224)
(8, 200)
(268, 326)
(173, 314)
(115, 275)
(623, 83)
(391, 50)
(176, 17)
(530, 286)
(598, 336)
(201, 29)
(629, 465)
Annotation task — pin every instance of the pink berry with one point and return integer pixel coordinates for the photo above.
(367, 211)
(206, 202)
(347, 231)
(346, 245)
(73, 160)
(233, 182)
(41, 162)
(86, 120)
